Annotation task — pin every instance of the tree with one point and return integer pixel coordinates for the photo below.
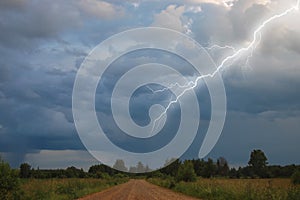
(120, 165)
(140, 167)
(222, 167)
(258, 163)
(233, 173)
(147, 169)
(73, 172)
(132, 169)
(186, 172)
(103, 169)
(25, 170)
(9, 182)
(209, 169)
(171, 167)
(199, 166)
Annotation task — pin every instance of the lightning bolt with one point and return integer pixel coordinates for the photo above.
(229, 59)
(220, 47)
(167, 88)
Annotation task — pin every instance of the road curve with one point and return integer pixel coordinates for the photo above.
(137, 190)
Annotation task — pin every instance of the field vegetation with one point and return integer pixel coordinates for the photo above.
(233, 189)
(61, 189)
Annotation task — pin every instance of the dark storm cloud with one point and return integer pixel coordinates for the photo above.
(261, 97)
(36, 20)
(36, 113)
(12, 4)
(43, 43)
(243, 132)
(35, 89)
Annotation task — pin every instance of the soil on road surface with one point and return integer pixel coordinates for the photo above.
(137, 190)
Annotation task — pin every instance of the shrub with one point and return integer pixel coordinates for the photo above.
(9, 182)
(296, 178)
(293, 193)
(186, 172)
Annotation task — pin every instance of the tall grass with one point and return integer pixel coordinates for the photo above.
(235, 189)
(64, 189)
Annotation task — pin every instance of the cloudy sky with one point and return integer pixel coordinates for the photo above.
(43, 43)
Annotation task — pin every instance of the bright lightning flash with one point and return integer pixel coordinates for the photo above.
(230, 59)
(220, 47)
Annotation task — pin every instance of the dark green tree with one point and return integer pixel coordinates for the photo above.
(199, 166)
(25, 170)
(73, 172)
(222, 167)
(209, 169)
(171, 167)
(95, 169)
(9, 182)
(186, 172)
(233, 173)
(258, 163)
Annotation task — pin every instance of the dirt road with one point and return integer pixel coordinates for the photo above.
(137, 190)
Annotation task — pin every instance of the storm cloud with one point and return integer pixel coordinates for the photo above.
(43, 43)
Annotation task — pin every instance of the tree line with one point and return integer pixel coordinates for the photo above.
(187, 170)
(257, 168)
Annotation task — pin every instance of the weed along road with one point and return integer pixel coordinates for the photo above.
(137, 190)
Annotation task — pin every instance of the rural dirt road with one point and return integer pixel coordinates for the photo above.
(137, 190)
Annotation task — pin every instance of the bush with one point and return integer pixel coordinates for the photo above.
(186, 172)
(293, 194)
(296, 178)
(9, 182)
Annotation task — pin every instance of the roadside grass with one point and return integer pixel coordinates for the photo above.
(64, 189)
(234, 189)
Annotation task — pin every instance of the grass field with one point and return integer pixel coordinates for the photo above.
(210, 189)
(61, 189)
(234, 189)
